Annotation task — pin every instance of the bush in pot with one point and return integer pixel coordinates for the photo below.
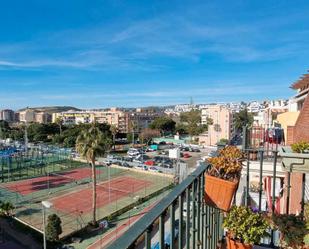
(292, 230)
(300, 147)
(295, 158)
(222, 177)
(245, 227)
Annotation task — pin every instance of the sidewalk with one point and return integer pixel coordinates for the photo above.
(119, 230)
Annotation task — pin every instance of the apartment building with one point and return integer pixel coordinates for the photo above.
(222, 126)
(7, 115)
(123, 120)
(27, 116)
(32, 116)
(42, 117)
(142, 118)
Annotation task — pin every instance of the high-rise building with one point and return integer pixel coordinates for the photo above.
(222, 124)
(7, 115)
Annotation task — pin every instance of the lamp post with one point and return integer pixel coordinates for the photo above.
(45, 204)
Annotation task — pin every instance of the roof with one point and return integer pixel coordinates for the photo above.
(302, 82)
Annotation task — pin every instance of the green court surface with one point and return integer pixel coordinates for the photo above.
(65, 180)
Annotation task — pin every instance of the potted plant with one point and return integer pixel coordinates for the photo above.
(296, 157)
(292, 230)
(222, 177)
(245, 227)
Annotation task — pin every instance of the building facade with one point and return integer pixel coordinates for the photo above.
(222, 127)
(125, 121)
(7, 115)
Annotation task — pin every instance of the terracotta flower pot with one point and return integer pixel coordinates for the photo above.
(233, 244)
(219, 193)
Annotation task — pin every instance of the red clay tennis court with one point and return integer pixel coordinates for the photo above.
(29, 186)
(81, 200)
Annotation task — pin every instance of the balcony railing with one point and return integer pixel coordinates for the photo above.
(202, 225)
(197, 226)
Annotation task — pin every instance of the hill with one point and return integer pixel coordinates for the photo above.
(52, 109)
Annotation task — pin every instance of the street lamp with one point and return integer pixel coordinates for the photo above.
(45, 204)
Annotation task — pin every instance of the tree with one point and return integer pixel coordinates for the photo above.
(133, 126)
(90, 144)
(147, 134)
(181, 128)
(4, 129)
(164, 124)
(192, 120)
(53, 228)
(243, 118)
(59, 121)
(114, 131)
(6, 208)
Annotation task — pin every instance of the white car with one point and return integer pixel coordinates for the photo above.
(132, 152)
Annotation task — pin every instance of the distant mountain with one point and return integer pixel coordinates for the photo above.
(51, 109)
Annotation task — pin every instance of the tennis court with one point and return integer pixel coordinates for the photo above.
(81, 201)
(70, 191)
(52, 180)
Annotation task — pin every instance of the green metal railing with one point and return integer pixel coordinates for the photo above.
(197, 226)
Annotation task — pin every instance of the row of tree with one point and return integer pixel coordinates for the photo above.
(190, 123)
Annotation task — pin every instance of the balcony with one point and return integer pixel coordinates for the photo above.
(173, 227)
(183, 220)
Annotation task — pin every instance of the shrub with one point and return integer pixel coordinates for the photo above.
(300, 147)
(245, 226)
(53, 228)
(6, 208)
(228, 164)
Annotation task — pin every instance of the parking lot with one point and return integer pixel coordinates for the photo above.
(157, 161)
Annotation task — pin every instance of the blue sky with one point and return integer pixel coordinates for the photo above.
(104, 53)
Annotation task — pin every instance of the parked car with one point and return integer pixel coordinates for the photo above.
(132, 152)
(125, 164)
(196, 150)
(128, 159)
(154, 169)
(149, 163)
(186, 155)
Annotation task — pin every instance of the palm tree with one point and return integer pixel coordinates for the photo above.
(59, 121)
(90, 144)
(133, 129)
(243, 118)
(114, 131)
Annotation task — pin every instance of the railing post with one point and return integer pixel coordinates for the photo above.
(203, 230)
(161, 230)
(172, 228)
(148, 237)
(180, 241)
(198, 211)
(213, 230)
(303, 195)
(261, 179)
(288, 192)
(194, 215)
(207, 224)
(274, 181)
(188, 218)
(274, 192)
(247, 180)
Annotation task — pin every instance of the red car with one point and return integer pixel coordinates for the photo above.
(149, 163)
(186, 155)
